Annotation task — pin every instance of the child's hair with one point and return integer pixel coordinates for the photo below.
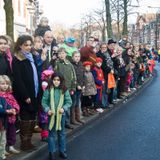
(37, 38)
(4, 78)
(62, 81)
(43, 19)
(75, 52)
(61, 50)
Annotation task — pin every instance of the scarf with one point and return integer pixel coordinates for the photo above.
(57, 115)
(108, 60)
(9, 57)
(29, 56)
(13, 103)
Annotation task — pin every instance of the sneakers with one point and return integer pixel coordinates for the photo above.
(13, 150)
(37, 129)
(100, 110)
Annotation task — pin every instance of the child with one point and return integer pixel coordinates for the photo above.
(56, 100)
(99, 81)
(129, 80)
(64, 66)
(11, 130)
(43, 117)
(40, 53)
(76, 97)
(90, 90)
(5, 109)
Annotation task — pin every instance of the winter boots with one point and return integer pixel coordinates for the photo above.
(26, 131)
(78, 115)
(75, 116)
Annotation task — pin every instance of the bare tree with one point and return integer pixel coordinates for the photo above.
(108, 19)
(122, 9)
(8, 7)
(99, 18)
(125, 21)
(117, 10)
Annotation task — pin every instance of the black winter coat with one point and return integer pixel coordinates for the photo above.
(40, 31)
(4, 65)
(23, 83)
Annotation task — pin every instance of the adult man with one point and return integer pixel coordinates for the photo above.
(110, 64)
(87, 52)
(49, 43)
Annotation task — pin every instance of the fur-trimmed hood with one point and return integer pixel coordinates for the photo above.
(20, 56)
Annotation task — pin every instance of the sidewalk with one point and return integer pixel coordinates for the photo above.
(41, 145)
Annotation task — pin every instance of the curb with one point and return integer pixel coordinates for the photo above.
(97, 117)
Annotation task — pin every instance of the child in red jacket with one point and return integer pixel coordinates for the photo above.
(99, 81)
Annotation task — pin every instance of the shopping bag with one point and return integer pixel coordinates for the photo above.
(111, 81)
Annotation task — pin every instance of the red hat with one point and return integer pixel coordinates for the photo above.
(87, 63)
(99, 60)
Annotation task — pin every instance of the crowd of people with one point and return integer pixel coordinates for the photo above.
(52, 83)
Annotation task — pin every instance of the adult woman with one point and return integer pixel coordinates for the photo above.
(4, 58)
(26, 88)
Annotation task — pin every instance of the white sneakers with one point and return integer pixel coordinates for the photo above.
(100, 110)
(13, 150)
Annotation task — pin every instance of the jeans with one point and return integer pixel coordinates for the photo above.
(76, 98)
(104, 96)
(61, 138)
(67, 116)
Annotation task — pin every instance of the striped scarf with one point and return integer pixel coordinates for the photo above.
(57, 115)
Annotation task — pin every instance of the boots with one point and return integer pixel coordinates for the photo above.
(85, 112)
(26, 131)
(78, 115)
(73, 121)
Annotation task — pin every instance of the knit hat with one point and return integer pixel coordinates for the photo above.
(87, 63)
(99, 60)
(70, 40)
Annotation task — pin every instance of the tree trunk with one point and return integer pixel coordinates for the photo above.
(8, 7)
(103, 34)
(108, 19)
(118, 19)
(125, 22)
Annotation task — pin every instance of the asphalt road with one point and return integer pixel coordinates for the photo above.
(130, 133)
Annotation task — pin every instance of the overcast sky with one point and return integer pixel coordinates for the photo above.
(69, 12)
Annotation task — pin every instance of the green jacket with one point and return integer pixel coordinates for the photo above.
(46, 100)
(54, 100)
(69, 49)
(67, 70)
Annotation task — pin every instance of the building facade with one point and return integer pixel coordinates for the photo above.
(146, 30)
(25, 16)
